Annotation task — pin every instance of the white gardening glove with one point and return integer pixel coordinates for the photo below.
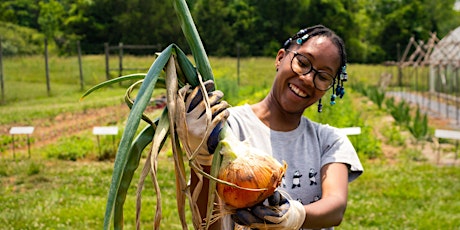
(276, 212)
(197, 121)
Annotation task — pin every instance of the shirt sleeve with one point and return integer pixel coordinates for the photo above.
(337, 148)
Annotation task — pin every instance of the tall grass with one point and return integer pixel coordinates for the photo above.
(25, 76)
(26, 95)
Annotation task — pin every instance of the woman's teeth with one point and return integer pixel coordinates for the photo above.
(297, 91)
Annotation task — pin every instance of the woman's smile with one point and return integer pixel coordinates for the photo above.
(296, 90)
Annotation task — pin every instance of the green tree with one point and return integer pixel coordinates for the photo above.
(71, 24)
(442, 16)
(20, 12)
(371, 29)
(244, 24)
(275, 21)
(405, 21)
(149, 22)
(213, 21)
(50, 18)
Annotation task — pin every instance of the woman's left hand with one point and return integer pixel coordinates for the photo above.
(276, 212)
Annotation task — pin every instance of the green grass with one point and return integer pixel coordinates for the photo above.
(404, 196)
(72, 195)
(47, 193)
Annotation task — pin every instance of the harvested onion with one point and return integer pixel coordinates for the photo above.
(255, 173)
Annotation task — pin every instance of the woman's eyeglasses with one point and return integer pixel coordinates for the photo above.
(301, 65)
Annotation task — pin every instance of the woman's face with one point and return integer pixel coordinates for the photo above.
(294, 92)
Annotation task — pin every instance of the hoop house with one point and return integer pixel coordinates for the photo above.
(445, 64)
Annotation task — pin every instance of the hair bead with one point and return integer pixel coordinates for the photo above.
(320, 106)
(333, 96)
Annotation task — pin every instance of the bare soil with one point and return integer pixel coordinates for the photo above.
(48, 131)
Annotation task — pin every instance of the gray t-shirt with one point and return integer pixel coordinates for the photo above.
(305, 149)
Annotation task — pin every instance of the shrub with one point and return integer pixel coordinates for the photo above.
(20, 40)
(229, 87)
(412, 154)
(344, 114)
(71, 148)
(107, 148)
(400, 112)
(376, 95)
(393, 135)
(34, 169)
(419, 125)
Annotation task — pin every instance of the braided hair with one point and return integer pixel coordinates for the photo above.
(319, 30)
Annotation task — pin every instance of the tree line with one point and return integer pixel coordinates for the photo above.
(374, 31)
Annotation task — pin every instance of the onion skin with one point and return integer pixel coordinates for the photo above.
(247, 167)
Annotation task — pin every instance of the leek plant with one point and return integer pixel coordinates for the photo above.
(170, 70)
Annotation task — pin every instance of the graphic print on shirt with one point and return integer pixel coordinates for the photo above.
(316, 198)
(296, 179)
(312, 176)
(299, 200)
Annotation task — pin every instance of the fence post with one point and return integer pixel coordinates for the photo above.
(238, 63)
(457, 96)
(1, 72)
(107, 73)
(120, 56)
(82, 84)
(47, 72)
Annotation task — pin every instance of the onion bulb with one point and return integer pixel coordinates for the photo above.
(255, 173)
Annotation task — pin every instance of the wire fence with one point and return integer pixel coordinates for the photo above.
(111, 69)
(428, 77)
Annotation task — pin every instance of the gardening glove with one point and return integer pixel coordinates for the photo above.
(201, 129)
(276, 212)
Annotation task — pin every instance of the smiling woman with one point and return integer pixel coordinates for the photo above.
(321, 160)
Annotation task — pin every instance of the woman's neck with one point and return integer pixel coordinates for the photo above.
(272, 114)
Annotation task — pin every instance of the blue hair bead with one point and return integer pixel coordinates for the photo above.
(342, 92)
(333, 96)
(299, 41)
(302, 39)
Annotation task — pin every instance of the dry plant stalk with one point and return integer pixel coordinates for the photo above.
(171, 70)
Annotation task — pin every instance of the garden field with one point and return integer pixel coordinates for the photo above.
(64, 183)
